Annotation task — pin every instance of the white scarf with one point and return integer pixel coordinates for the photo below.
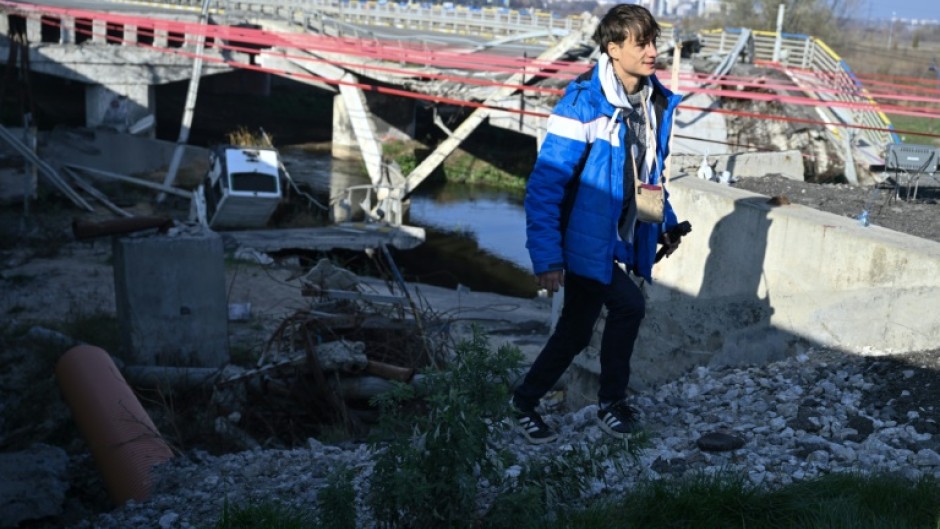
(613, 91)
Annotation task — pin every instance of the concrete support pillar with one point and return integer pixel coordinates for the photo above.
(67, 33)
(130, 35)
(33, 30)
(99, 31)
(161, 38)
(345, 145)
(778, 41)
(119, 106)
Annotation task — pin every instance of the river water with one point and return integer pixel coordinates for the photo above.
(475, 235)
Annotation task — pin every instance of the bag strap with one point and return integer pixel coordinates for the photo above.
(650, 146)
(649, 126)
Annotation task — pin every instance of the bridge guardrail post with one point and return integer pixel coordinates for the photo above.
(33, 30)
(67, 30)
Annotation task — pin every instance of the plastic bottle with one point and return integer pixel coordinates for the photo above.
(863, 218)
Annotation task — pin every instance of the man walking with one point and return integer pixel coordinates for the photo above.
(610, 129)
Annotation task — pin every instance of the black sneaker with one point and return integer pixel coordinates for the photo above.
(530, 423)
(617, 419)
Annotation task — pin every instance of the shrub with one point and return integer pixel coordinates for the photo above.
(432, 473)
(427, 475)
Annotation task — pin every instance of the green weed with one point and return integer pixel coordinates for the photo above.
(427, 474)
(267, 515)
(337, 501)
(460, 166)
(97, 328)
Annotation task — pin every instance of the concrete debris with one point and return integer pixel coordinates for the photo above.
(326, 276)
(34, 484)
(187, 229)
(253, 256)
(342, 356)
(706, 171)
(239, 311)
(51, 338)
(787, 163)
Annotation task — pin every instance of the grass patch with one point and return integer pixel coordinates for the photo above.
(244, 354)
(337, 502)
(916, 124)
(723, 501)
(460, 166)
(97, 328)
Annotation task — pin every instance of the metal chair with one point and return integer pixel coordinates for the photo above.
(911, 161)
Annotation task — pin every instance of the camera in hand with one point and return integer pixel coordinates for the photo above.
(675, 233)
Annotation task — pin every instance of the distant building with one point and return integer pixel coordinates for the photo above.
(710, 7)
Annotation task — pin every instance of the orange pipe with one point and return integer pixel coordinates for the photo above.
(123, 440)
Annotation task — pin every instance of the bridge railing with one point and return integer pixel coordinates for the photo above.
(814, 65)
(445, 18)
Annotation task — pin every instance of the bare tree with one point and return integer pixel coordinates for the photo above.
(825, 19)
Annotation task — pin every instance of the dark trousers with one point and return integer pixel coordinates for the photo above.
(582, 305)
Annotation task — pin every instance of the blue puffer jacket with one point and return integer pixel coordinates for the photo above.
(581, 126)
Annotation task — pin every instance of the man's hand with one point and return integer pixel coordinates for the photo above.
(670, 244)
(551, 280)
(670, 239)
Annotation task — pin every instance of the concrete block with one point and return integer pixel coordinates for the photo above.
(16, 184)
(170, 298)
(788, 164)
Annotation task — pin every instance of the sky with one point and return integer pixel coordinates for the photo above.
(909, 9)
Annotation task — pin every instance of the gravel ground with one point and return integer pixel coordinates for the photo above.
(799, 418)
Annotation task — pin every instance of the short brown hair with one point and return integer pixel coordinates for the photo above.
(624, 21)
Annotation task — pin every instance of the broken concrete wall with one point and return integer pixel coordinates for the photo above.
(788, 164)
(823, 161)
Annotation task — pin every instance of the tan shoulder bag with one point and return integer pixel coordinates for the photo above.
(650, 198)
